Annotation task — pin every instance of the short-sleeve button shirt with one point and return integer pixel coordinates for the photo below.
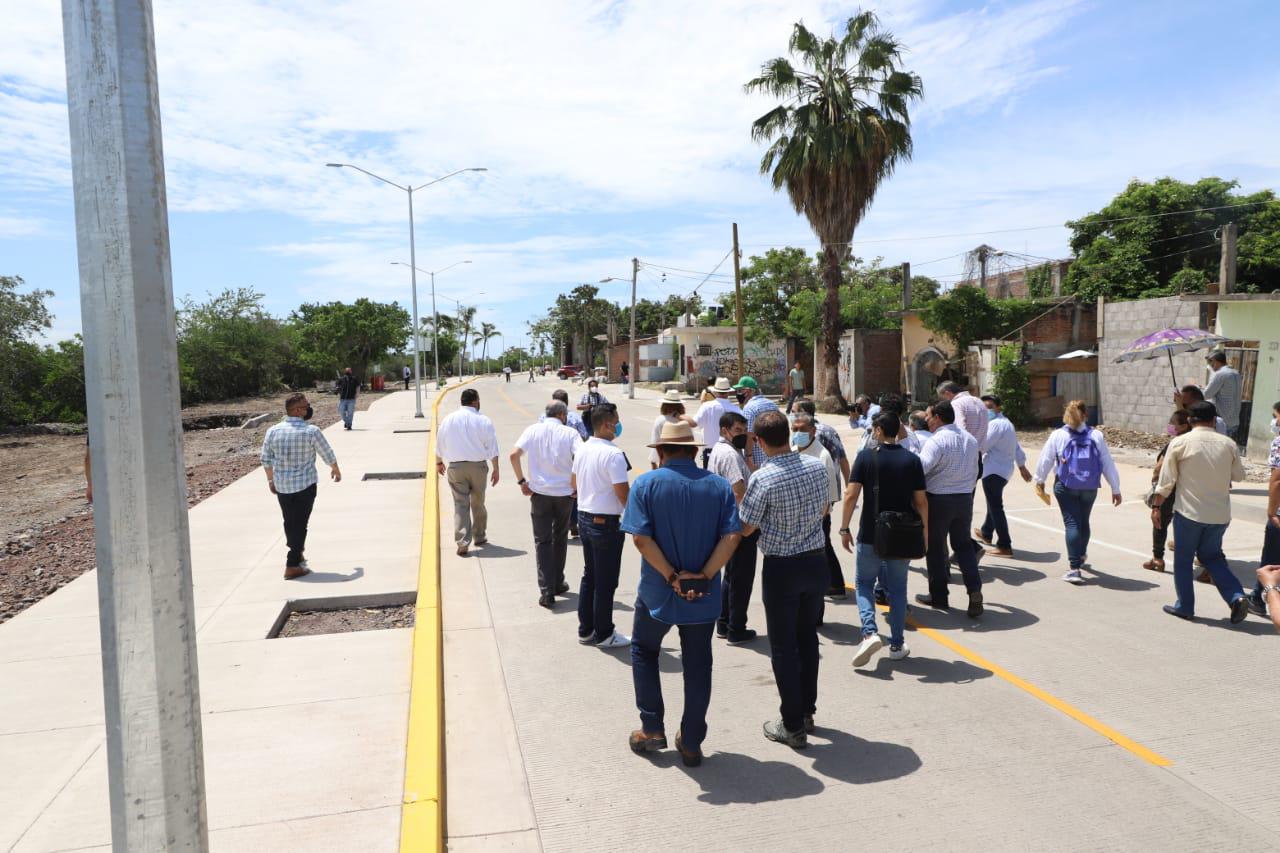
(549, 446)
(599, 465)
(786, 499)
(727, 462)
(289, 449)
(756, 406)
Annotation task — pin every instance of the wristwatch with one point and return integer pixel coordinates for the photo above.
(521, 481)
(1267, 589)
(843, 530)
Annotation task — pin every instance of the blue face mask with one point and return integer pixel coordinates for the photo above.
(992, 414)
(617, 429)
(801, 440)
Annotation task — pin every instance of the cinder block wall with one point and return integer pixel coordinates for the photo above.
(1138, 395)
(878, 361)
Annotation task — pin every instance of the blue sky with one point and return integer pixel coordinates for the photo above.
(612, 130)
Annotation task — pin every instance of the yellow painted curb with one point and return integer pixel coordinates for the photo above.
(422, 816)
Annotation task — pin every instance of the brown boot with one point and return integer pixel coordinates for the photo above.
(690, 757)
(642, 742)
(1154, 565)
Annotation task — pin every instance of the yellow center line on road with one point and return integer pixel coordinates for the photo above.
(519, 408)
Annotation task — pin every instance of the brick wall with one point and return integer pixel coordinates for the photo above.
(870, 362)
(1138, 395)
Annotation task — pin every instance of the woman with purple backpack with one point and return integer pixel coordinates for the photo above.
(1079, 458)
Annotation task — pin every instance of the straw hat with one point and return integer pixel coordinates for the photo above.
(722, 386)
(679, 434)
(671, 397)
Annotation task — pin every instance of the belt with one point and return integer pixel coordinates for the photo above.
(816, 552)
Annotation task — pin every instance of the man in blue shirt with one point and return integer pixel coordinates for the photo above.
(684, 522)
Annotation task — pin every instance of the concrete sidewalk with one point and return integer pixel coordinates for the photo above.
(993, 735)
(304, 738)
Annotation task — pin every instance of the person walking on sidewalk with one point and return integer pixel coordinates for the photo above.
(1202, 465)
(532, 378)
(465, 442)
(754, 404)
(1080, 459)
(575, 421)
(407, 374)
(289, 451)
(550, 444)
(795, 385)
(348, 387)
(786, 500)
(600, 480)
(670, 411)
(893, 479)
(950, 461)
(1000, 453)
(1271, 532)
(684, 522)
(506, 372)
(709, 414)
(804, 435)
(1179, 424)
(1223, 391)
(728, 460)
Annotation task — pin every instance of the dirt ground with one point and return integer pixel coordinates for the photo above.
(46, 527)
(305, 623)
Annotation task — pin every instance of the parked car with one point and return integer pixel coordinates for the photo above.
(568, 371)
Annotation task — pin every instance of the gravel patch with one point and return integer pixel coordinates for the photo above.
(305, 623)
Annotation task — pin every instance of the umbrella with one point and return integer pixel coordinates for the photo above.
(1169, 342)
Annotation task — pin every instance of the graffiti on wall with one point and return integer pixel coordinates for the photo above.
(767, 364)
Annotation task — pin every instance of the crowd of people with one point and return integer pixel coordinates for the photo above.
(741, 484)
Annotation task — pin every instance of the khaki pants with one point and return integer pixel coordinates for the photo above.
(467, 481)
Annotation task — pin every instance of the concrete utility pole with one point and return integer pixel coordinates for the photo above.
(906, 287)
(635, 369)
(737, 300)
(155, 765)
(1227, 266)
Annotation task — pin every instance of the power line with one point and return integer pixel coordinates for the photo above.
(679, 269)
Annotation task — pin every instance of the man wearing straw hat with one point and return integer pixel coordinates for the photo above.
(709, 414)
(670, 411)
(684, 521)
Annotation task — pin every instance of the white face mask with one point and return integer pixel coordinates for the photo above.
(1275, 428)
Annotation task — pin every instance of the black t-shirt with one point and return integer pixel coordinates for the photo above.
(901, 476)
(348, 385)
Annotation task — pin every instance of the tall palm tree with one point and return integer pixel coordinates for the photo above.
(466, 316)
(487, 332)
(842, 127)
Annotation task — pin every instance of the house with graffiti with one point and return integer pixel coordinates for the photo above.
(705, 352)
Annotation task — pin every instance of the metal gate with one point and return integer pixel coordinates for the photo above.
(1243, 356)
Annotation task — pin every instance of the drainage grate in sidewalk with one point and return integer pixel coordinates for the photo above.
(411, 430)
(395, 475)
(345, 614)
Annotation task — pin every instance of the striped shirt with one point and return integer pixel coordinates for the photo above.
(1223, 391)
(289, 449)
(950, 460)
(756, 406)
(971, 415)
(787, 499)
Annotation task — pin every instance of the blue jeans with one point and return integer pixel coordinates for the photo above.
(870, 566)
(1075, 505)
(996, 524)
(695, 659)
(1204, 541)
(347, 408)
(602, 543)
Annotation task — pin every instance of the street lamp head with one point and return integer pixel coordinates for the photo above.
(335, 165)
(478, 169)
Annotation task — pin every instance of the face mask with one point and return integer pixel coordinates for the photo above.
(1275, 428)
(801, 440)
(741, 398)
(739, 441)
(310, 412)
(617, 429)
(1170, 429)
(592, 388)
(992, 414)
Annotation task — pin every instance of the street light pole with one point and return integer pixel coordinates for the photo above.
(409, 189)
(635, 370)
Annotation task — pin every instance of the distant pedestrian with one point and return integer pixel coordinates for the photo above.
(950, 461)
(1079, 457)
(600, 480)
(506, 372)
(1271, 532)
(1201, 465)
(728, 460)
(289, 451)
(709, 414)
(670, 411)
(589, 401)
(625, 370)
(684, 522)
(804, 440)
(532, 378)
(892, 480)
(795, 385)
(754, 404)
(407, 374)
(1223, 391)
(786, 501)
(1000, 453)
(1179, 424)
(348, 387)
(550, 445)
(465, 442)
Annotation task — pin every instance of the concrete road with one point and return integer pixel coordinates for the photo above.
(1067, 718)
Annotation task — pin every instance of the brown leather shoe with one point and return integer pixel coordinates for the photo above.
(292, 573)
(977, 534)
(1154, 565)
(462, 550)
(690, 757)
(1001, 552)
(642, 742)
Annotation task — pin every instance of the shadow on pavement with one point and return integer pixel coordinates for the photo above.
(331, 577)
(489, 551)
(1035, 556)
(995, 617)
(927, 670)
(849, 758)
(730, 777)
(1115, 582)
(1010, 575)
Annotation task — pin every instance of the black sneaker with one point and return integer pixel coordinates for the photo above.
(562, 588)
(546, 600)
(1256, 607)
(1173, 611)
(809, 725)
(738, 638)
(1239, 609)
(975, 604)
(722, 631)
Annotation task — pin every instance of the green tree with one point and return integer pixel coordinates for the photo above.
(1013, 384)
(228, 346)
(966, 315)
(334, 335)
(22, 316)
(841, 129)
(488, 331)
(1150, 232)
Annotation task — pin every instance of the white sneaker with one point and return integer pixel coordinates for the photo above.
(870, 645)
(1073, 576)
(898, 652)
(616, 641)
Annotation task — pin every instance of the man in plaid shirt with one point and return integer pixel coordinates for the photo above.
(289, 459)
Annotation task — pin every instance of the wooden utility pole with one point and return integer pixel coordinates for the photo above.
(737, 299)
(1227, 266)
(906, 287)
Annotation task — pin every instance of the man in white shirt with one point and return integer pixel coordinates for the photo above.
(600, 479)
(709, 413)
(465, 442)
(550, 444)
(804, 440)
(728, 460)
(1000, 452)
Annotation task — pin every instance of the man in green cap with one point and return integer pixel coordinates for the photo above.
(754, 404)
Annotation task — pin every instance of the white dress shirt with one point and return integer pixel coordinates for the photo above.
(950, 460)
(549, 446)
(708, 418)
(599, 465)
(466, 436)
(817, 451)
(1051, 454)
(971, 415)
(1001, 451)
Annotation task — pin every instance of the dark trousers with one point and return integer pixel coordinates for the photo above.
(602, 542)
(695, 661)
(406, 383)
(739, 579)
(996, 523)
(550, 514)
(950, 516)
(1270, 555)
(573, 518)
(792, 594)
(1160, 535)
(296, 508)
(833, 561)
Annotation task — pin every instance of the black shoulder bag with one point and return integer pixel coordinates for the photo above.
(899, 535)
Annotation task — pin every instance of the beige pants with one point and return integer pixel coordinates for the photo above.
(467, 481)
